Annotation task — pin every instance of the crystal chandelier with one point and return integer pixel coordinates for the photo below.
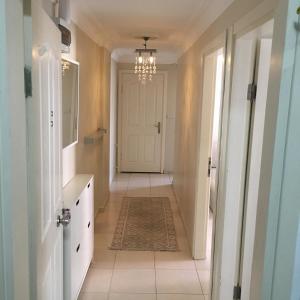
(145, 62)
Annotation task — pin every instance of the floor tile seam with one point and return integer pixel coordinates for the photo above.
(112, 273)
(200, 282)
(176, 269)
(133, 269)
(133, 293)
(136, 269)
(155, 274)
(185, 294)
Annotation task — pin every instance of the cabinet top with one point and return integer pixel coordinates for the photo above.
(74, 188)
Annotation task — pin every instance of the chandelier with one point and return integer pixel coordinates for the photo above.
(145, 62)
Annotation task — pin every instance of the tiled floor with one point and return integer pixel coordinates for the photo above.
(141, 275)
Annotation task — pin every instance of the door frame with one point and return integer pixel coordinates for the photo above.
(200, 227)
(234, 32)
(276, 194)
(14, 218)
(119, 117)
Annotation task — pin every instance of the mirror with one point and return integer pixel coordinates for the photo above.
(70, 101)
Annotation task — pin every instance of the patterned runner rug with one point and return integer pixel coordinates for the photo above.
(145, 223)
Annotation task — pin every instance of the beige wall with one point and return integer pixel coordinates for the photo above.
(94, 93)
(189, 100)
(171, 110)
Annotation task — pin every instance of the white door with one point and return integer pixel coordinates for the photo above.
(214, 163)
(265, 49)
(246, 126)
(203, 188)
(239, 119)
(44, 155)
(142, 123)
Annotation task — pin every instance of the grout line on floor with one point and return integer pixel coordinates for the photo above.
(199, 282)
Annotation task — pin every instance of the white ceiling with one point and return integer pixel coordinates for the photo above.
(176, 24)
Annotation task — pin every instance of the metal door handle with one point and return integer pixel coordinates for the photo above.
(64, 219)
(158, 127)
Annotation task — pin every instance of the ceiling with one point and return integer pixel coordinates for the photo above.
(175, 24)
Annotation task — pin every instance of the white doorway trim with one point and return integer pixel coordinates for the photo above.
(119, 108)
(200, 226)
(228, 213)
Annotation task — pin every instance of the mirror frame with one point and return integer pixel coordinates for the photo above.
(78, 102)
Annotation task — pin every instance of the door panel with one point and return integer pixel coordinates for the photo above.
(142, 114)
(239, 120)
(44, 153)
(202, 194)
(255, 164)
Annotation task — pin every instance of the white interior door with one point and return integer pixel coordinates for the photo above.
(215, 147)
(142, 107)
(203, 188)
(44, 152)
(239, 120)
(255, 164)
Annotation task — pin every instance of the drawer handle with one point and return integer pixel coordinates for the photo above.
(89, 185)
(77, 202)
(78, 247)
(89, 224)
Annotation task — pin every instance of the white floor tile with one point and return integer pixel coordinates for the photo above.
(135, 260)
(103, 240)
(104, 259)
(174, 260)
(179, 297)
(133, 281)
(178, 282)
(114, 296)
(97, 281)
(204, 277)
(93, 296)
(203, 264)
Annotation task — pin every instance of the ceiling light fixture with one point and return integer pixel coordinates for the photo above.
(145, 62)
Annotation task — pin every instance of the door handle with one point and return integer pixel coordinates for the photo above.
(158, 127)
(65, 218)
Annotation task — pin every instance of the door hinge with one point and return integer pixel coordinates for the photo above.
(209, 167)
(251, 94)
(237, 292)
(28, 81)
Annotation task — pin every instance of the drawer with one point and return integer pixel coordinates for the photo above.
(76, 220)
(87, 205)
(76, 269)
(88, 243)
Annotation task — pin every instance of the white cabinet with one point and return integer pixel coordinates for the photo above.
(78, 197)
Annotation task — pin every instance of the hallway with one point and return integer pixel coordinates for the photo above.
(143, 275)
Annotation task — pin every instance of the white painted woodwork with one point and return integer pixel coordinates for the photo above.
(215, 144)
(44, 150)
(142, 108)
(255, 163)
(203, 188)
(78, 196)
(243, 68)
(14, 220)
